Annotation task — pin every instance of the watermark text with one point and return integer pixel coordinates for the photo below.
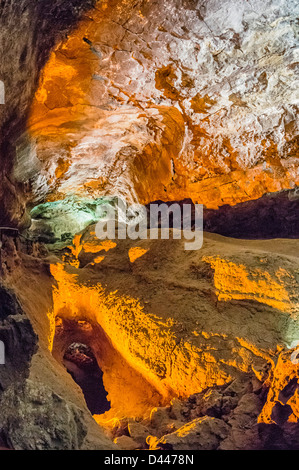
(160, 220)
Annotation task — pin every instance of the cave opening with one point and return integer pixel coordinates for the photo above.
(80, 362)
(111, 386)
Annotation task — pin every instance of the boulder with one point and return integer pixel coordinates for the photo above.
(200, 434)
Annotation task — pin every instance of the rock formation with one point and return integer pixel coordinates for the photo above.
(170, 99)
(29, 30)
(152, 101)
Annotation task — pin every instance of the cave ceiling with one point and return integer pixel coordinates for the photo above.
(166, 100)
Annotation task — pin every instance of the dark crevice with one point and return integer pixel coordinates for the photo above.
(82, 365)
(274, 215)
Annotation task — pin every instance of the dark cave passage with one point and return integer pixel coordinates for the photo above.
(119, 338)
(82, 365)
(270, 216)
(101, 371)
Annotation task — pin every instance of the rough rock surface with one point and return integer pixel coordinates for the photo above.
(271, 216)
(224, 342)
(17, 334)
(159, 100)
(222, 418)
(201, 434)
(231, 308)
(170, 99)
(28, 31)
(41, 406)
(33, 417)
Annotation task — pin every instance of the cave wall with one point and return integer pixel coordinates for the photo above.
(148, 100)
(41, 406)
(231, 308)
(28, 31)
(170, 99)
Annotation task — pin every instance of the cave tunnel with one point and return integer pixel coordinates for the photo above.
(112, 388)
(174, 101)
(82, 365)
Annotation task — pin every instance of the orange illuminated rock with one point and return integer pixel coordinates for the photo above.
(214, 314)
(201, 433)
(234, 281)
(149, 102)
(136, 252)
(283, 399)
(159, 329)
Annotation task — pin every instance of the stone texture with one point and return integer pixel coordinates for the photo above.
(126, 443)
(41, 406)
(238, 426)
(33, 417)
(176, 409)
(170, 99)
(23, 55)
(201, 434)
(212, 403)
(160, 100)
(282, 405)
(231, 308)
(244, 430)
(229, 352)
(19, 338)
(138, 432)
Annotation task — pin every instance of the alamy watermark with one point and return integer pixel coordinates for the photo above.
(2, 353)
(2, 92)
(135, 222)
(295, 354)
